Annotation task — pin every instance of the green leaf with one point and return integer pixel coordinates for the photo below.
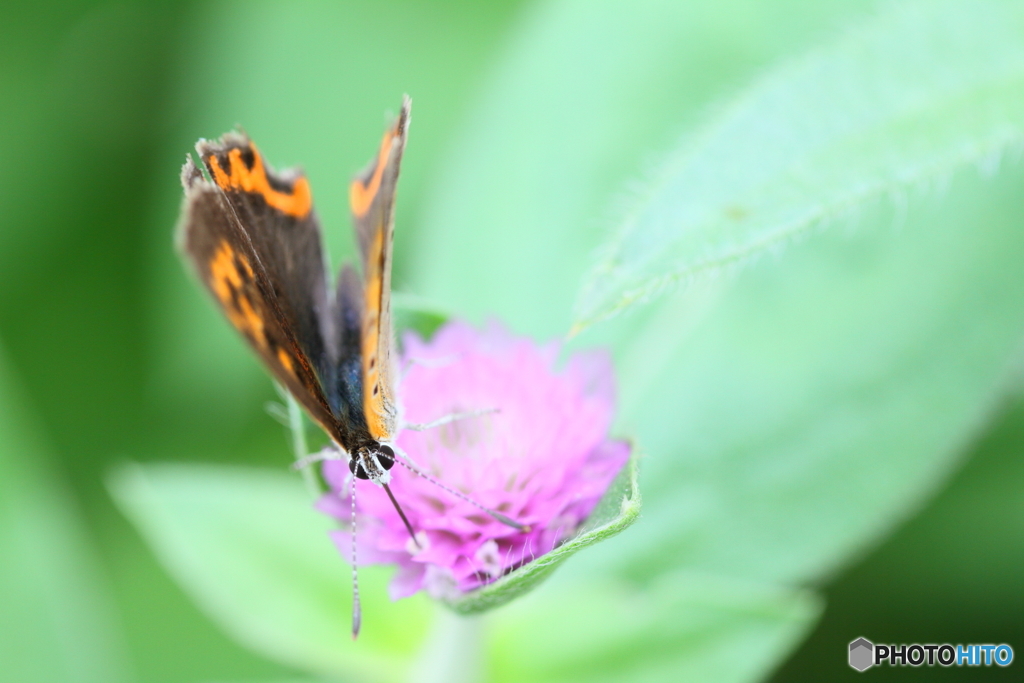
(617, 509)
(582, 94)
(914, 93)
(683, 627)
(824, 395)
(952, 570)
(987, 497)
(249, 548)
(56, 622)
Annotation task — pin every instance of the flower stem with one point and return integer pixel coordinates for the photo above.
(453, 651)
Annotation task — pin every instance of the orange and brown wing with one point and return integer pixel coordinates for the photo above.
(372, 200)
(254, 241)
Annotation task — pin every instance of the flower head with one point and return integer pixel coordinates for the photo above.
(541, 456)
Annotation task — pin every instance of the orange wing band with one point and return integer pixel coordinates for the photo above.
(297, 204)
(360, 196)
(373, 399)
(226, 281)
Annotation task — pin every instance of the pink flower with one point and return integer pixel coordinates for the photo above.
(542, 458)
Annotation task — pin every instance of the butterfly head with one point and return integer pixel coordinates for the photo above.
(373, 462)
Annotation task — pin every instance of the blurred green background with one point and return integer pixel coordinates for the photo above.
(109, 352)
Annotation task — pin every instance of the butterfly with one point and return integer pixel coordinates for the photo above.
(253, 238)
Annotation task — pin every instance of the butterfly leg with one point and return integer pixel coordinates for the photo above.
(329, 452)
(452, 417)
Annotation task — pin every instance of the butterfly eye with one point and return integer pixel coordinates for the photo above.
(356, 468)
(386, 457)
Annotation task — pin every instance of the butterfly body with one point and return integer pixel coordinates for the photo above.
(252, 236)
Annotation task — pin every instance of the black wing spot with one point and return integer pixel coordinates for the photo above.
(248, 158)
(373, 362)
(376, 389)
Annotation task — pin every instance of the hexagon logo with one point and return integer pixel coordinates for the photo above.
(862, 654)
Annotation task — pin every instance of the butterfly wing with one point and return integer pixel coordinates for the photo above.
(254, 241)
(372, 200)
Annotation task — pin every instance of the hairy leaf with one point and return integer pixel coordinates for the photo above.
(906, 98)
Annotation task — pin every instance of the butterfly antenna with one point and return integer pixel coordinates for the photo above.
(357, 610)
(401, 513)
(493, 513)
